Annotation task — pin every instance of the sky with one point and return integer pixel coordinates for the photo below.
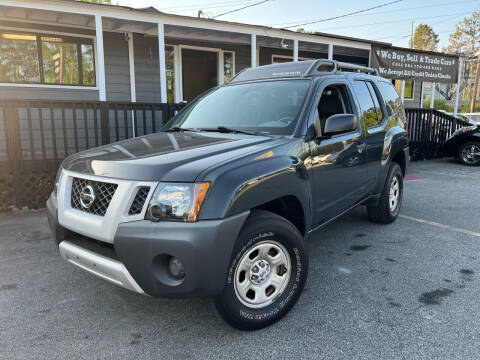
(390, 23)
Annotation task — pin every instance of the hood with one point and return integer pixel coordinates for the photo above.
(173, 156)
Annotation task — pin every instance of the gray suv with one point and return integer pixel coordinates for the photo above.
(222, 201)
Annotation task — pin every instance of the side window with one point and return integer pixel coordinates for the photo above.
(367, 106)
(334, 100)
(392, 100)
(378, 108)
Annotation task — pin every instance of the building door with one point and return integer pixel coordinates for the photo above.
(199, 72)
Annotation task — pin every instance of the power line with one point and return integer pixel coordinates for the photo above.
(231, 11)
(408, 35)
(390, 11)
(390, 22)
(208, 5)
(345, 15)
(435, 23)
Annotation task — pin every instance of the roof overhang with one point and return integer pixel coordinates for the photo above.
(81, 14)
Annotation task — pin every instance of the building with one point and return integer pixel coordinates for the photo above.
(67, 50)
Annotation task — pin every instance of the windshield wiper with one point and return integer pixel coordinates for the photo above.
(180, 129)
(224, 129)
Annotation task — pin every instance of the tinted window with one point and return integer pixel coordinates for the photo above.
(393, 103)
(367, 107)
(376, 102)
(270, 107)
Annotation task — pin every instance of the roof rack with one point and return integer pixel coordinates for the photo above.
(356, 68)
(299, 69)
(323, 65)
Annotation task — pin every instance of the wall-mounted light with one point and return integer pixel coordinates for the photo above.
(284, 44)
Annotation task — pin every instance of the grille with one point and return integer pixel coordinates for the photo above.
(139, 200)
(103, 195)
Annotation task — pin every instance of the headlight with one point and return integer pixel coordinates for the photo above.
(58, 180)
(177, 202)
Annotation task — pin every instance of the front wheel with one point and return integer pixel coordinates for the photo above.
(388, 207)
(469, 153)
(267, 272)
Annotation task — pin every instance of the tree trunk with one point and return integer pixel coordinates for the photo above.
(475, 87)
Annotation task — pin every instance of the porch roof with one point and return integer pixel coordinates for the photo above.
(123, 18)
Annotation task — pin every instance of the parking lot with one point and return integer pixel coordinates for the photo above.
(406, 290)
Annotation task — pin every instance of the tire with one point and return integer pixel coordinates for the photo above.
(265, 238)
(383, 212)
(467, 152)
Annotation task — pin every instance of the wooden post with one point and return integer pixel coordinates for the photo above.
(102, 95)
(295, 50)
(253, 52)
(161, 61)
(402, 92)
(105, 122)
(457, 93)
(15, 152)
(432, 98)
(330, 51)
(475, 86)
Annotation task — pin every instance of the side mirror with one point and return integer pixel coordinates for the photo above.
(340, 123)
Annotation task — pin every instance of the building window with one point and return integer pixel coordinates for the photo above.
(228, 66)
(46, 59)
(409, 84)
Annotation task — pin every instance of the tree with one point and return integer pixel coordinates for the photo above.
(108, 2)
(424, 38)
(466, 38)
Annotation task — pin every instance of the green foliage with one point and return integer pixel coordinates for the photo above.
(439, 104)
(425, 38)
(466, 108)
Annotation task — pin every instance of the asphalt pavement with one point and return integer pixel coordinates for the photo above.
(408, 290)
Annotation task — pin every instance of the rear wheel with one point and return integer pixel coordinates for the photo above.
(267, 272)
(388, 207)
(469, 153)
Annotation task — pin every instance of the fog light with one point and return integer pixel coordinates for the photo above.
(176, 267)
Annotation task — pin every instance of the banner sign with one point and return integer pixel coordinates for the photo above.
(406, 64)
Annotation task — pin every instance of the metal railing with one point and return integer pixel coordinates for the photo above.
(35, 136)
(428, 129)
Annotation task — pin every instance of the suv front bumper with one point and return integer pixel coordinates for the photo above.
(141, 250)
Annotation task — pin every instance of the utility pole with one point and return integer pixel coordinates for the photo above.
(475, 86)
(411, 37)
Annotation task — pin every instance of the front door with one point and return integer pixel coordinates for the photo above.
(199, 72)
(338, 163)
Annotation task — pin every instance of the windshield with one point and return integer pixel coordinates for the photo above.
(269, 107)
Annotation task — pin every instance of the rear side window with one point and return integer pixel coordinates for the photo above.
(393, 103)
(367, 106)
(378, 108)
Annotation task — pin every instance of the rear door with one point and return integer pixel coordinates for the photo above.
(373, 118)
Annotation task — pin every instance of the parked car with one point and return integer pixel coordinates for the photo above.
(222, 201)
(464, 145)
(464, 118)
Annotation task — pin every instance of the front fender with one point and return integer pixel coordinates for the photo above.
(255, 183)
